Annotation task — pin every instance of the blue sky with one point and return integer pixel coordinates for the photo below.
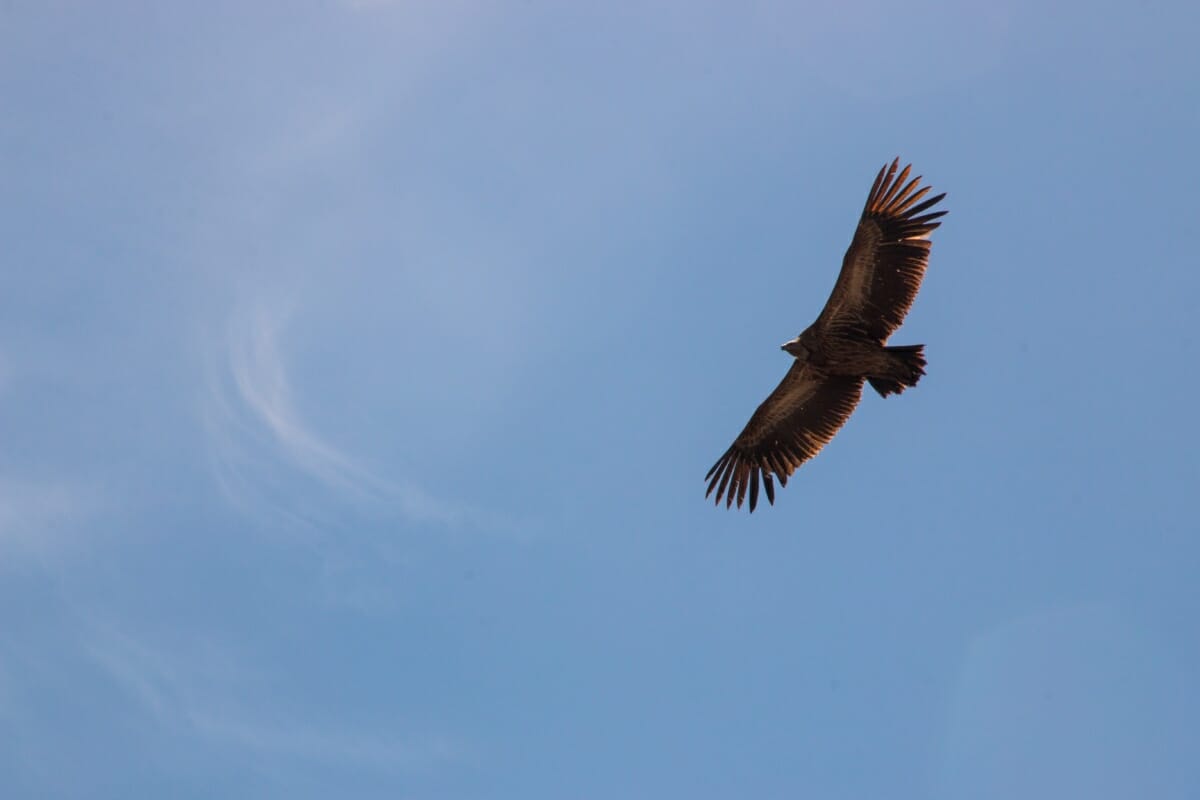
(360, 364)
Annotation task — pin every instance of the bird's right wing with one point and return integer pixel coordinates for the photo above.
(790, 427)
(886, 260)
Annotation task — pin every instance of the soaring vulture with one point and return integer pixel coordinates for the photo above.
(847, 345)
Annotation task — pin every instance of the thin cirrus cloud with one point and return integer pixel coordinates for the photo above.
(36, 516)
(1057, 703)
(206, 695)
(260, 443)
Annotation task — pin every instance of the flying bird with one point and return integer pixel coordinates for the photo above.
(847, 345)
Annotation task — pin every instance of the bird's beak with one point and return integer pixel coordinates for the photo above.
(789, 343)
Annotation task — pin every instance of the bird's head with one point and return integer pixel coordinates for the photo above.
(796, 347)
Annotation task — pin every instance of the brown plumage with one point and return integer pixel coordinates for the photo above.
(880, 276)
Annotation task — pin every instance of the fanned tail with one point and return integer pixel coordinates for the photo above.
(906, 364)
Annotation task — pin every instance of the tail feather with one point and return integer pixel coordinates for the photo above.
(906, 364)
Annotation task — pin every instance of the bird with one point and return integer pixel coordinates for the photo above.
(845, 347)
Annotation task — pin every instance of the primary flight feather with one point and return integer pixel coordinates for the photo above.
(847, 345)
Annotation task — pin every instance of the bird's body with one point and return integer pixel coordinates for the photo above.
(845, 347)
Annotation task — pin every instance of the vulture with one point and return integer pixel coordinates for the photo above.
(846, 346)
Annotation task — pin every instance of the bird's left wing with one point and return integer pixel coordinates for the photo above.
(790, 427)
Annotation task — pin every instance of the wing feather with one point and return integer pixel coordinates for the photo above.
(790, 427)
(885, 263)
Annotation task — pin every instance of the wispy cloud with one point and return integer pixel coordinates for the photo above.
(202, 690)
(36, 517)
(312, 742)
(259, 436)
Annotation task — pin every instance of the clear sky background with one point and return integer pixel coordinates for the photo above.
(360, 365)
